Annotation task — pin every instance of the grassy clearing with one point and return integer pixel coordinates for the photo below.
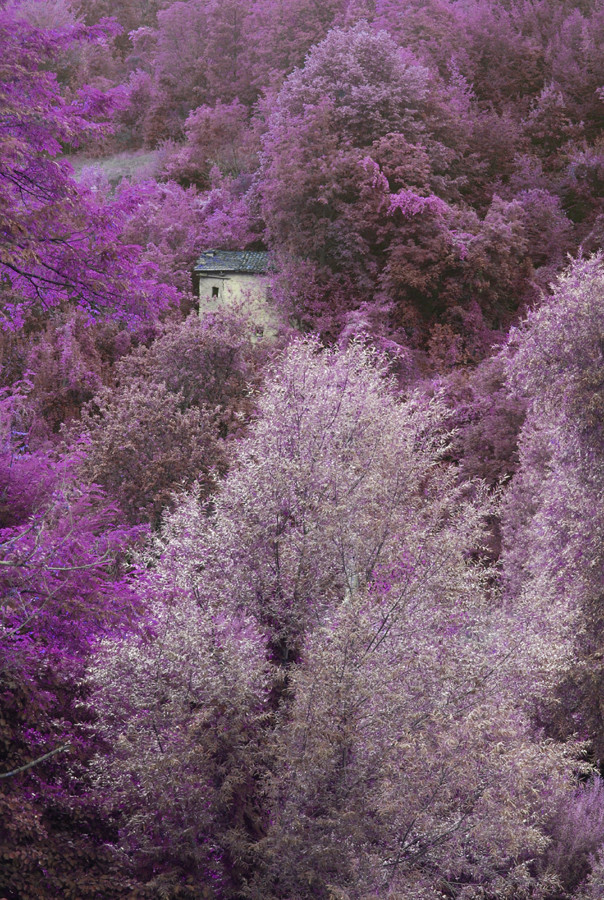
(134, 165)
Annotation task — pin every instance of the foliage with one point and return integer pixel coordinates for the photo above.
(357, 183)
(342, 532)
(164, 424)
(553, 523)
(172, 224)
(216, 138)
(183, 747)
(63, 568)
(320, 485)
(361, 654)
(209, 360)
(577, 834)
(141, 447)
(487, 420)
(64, 371)
(61, 550)
(387, 783)
(558, 364)
(59, 243)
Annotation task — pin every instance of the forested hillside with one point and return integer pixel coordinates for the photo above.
(314, 613)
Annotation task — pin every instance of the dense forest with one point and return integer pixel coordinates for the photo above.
(315, 614)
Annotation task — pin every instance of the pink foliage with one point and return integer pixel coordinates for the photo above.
(63, 552)
(281, 34)
(171, 225)
(410, 203)
(357, 653)
(215, 137)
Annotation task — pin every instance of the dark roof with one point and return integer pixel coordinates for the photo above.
(254, 262)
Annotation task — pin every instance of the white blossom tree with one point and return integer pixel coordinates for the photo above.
(388, 748)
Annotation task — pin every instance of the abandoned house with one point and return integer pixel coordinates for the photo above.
(235, 278)
(223, 275)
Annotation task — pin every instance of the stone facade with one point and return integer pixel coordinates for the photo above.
(238, 279)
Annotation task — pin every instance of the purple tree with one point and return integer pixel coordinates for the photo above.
(59, 244)
(63, 581)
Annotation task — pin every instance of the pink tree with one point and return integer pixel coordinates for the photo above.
(281, 34)
(405, 764)
(217, 136)
(362, 182)
(171, 224)
(323, 197)
(228, 41)
(556, 362)
(398, 755)
(182, 710)
(553, 522)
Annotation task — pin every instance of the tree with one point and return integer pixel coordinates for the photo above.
(429, 29)
(318, 491)
(218, 137)
(142, 447)
(209, 360)
(281, 34)
(362, 178)
(64, 370)
(556, 361)
(397, 754)
(405, 766)
(372, 88)
(487, 421)
(63, 581)
(171, 224)
(182, 710)
(228, 72)
(353, 90)
(553, 523)
(59, 244)
(323, 197)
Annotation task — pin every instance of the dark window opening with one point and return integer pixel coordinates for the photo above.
(215, 292)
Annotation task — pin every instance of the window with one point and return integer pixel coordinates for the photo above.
(215, 291)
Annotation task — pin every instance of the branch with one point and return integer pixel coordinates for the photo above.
(35, 762)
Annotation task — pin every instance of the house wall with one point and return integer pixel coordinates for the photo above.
(247, 292)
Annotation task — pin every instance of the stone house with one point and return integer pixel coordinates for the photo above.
(221, 276)
(237, 278)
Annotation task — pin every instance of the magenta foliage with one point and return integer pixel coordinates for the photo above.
(283, 33)
(217, 138)
(63, 578)
(63, 566)
(357, 183)
(578, 833)
(63, 582)
(58, 242)
(322, 686)
(411, 204)
(395, 748)
(557, 364)
(172, 224)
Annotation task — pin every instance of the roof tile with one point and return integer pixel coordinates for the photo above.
(255, 262)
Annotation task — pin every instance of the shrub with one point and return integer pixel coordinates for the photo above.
(142, 446)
